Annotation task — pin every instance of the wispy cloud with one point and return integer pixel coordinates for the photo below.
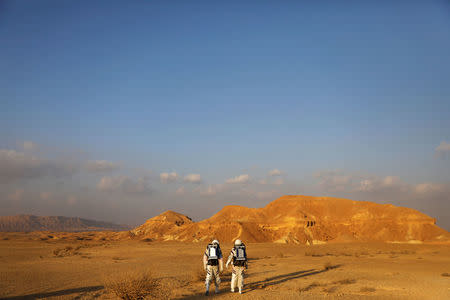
(123, 184)
(443, 150)
(19, 165)
(29, 146)
(274, 172)
(101, 166)
(193, 178)
(168, 177)
(244, 178)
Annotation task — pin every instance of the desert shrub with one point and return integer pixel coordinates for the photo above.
(118, 258)
(309, 287)
(445, 274)
(136, 285)
(66, 251)
(314, 254)
(331, 289)
(345, 281)
(366, 289)
(328, 266)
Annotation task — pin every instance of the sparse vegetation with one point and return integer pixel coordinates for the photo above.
(66, 251)
(345, 281)
(329, 266)
(367, 289)
(136, 285)
(331, 289)
(310, 287)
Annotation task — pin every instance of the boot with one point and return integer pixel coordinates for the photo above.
(207, 289)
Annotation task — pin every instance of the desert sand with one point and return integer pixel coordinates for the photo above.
(32, 266)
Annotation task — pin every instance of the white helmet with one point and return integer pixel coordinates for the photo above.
(237, 242)
(215, 242)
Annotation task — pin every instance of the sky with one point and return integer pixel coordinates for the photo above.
(120, 110)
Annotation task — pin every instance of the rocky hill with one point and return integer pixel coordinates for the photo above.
(300, 220)
(25, 223)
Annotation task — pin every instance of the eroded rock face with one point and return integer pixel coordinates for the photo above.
(300, 220)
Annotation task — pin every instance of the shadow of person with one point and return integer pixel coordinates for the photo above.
(285, 277)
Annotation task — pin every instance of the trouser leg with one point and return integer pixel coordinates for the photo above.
(233, 278)
(217, 278)
(208, 277)
(240, 277)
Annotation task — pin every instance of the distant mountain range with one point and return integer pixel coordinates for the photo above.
(25, 223)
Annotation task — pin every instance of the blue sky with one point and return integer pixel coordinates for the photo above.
(358, 88)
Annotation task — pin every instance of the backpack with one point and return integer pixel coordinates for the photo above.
(213, 251)
(240, 256)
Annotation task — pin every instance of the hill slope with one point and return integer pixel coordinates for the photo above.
(301, 219)
(23, 223)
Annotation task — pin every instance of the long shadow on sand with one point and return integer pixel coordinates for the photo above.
(268, 281)
(57, 293)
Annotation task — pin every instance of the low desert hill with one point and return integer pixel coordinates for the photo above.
(300, 220)
(24, 223)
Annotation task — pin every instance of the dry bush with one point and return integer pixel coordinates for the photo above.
(66, 251)
(310, 287)
(136, 285)
(366, 289)
(331, 289)
(329, 266)
(345, 281)
(445, 274)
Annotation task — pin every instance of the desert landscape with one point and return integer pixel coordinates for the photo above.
(345, 258)
(309, 140)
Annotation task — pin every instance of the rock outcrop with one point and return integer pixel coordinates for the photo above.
(300, 220)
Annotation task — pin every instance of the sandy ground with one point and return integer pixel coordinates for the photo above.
(43, 269)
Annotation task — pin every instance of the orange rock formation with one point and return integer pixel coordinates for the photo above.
(300, 220)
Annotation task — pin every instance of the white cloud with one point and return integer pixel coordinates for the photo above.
(101, 166)
(122, 184)
(244, 178)
(442, 150)
(19, 165)
(211, 189)
(180, 191)
(17, 195)
(168, 177)
(275, 172)
(193, 178)
(428, 187)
